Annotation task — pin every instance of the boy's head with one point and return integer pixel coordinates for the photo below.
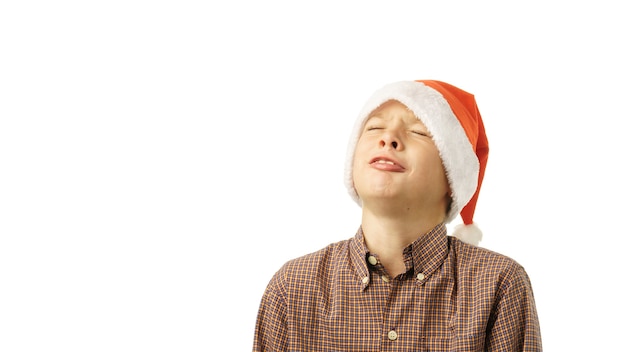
(453, 121)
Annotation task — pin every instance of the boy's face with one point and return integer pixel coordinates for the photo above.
(396, 158)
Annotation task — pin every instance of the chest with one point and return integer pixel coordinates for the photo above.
(391, 315)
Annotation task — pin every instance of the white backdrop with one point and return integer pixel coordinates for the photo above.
(160, 160)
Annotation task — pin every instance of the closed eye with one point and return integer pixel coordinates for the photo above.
(420, 133)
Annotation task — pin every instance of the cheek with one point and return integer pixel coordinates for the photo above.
(430, 168)
(439, 172)
(360, 164)
(360, 151)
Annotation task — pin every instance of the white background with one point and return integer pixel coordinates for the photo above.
(160, 160)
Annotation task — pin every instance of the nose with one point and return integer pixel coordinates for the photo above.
(390, 140)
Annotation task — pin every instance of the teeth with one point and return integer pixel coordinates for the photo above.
(385, 162)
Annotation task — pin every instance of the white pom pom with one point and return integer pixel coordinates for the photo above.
(468, 233)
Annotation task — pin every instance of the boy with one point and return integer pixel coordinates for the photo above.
(415, 161)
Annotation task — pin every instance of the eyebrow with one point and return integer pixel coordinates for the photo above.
(417, 120)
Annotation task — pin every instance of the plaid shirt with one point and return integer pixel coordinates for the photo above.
(452, 297)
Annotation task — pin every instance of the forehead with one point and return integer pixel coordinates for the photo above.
(393, 109)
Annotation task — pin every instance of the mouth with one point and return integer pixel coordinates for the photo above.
(386, 164)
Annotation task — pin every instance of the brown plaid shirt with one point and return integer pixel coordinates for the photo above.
(452, 297)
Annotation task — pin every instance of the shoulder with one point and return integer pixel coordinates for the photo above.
(484, 264)
(496, 293)
(312, 266)
(319, 257)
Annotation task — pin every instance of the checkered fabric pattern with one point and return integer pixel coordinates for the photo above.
(452, 297)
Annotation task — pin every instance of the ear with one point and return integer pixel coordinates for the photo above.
(449, 201)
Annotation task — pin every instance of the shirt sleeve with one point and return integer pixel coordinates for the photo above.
(271, 324)
(515, 324)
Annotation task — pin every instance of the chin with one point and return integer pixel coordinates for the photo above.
(380, 194)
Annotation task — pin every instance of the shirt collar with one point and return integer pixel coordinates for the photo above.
(358, 257)
(428, 253)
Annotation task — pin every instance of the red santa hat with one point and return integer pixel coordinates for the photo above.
(452, 117)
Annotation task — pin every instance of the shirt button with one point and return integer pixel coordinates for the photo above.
(420, 276)
(372, 260)
(392, 335)
(385, 278)
(365, 280)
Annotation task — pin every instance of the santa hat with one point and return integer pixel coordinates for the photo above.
(452, 118)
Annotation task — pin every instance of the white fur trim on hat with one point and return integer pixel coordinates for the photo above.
(455, 150)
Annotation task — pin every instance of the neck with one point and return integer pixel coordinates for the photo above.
(388, 233)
